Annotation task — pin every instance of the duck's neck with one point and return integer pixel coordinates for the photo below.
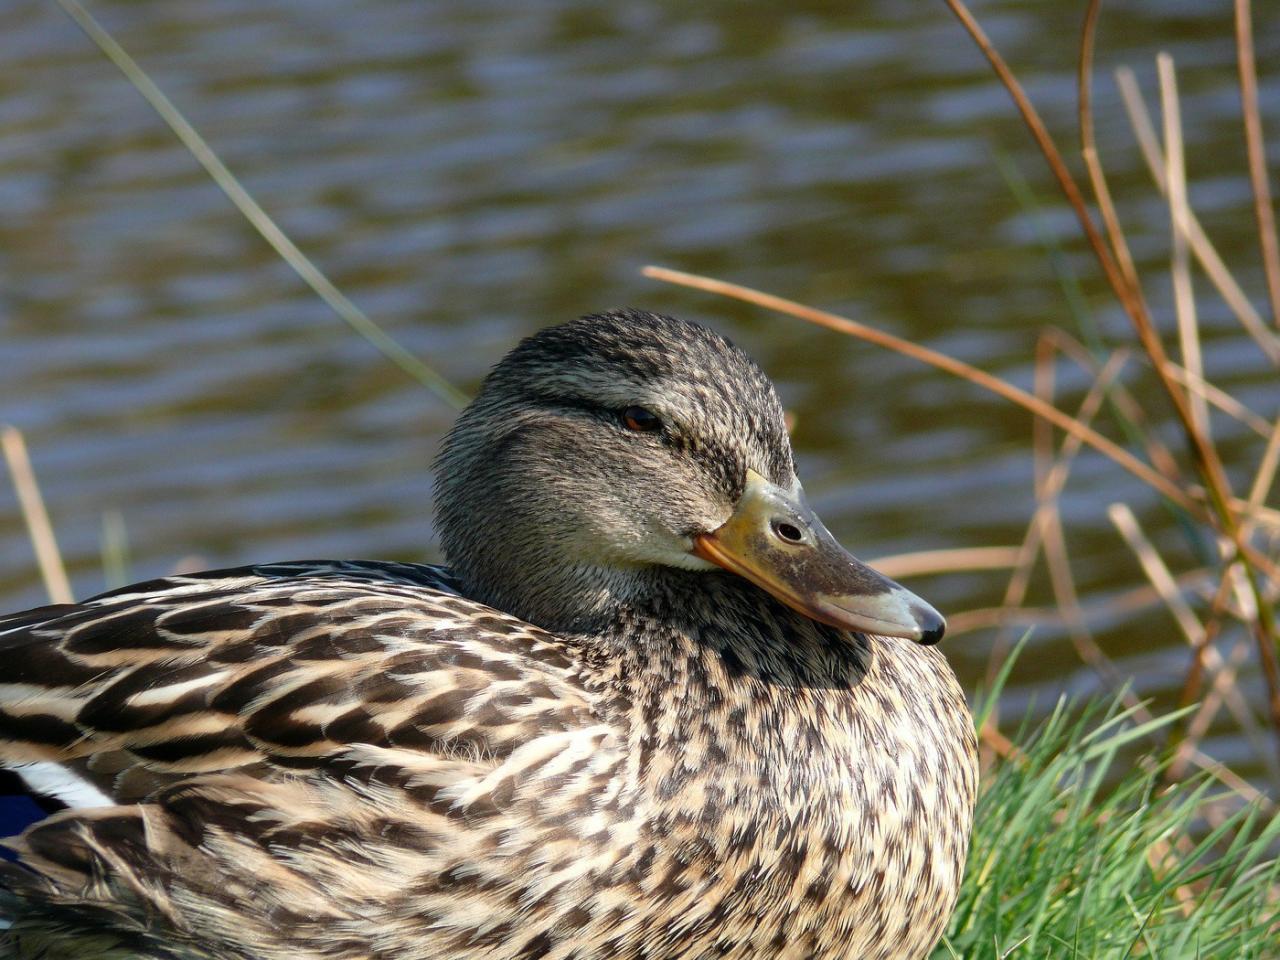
(740, 709)
(731, 628)
(578, 600)
(715, 668)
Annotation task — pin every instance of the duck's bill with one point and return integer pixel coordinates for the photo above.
(774, 540)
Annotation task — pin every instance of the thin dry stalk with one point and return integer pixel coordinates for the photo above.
(1062, 580)
(1042, 440)
(1184, 299)
(1266, 473)
(1002, 617)
(52, 570)
(1157, 573)
(963, 560)
(1089, 148)
(936, 359)
(1127, 603)
(1206, 253)
(1054, 543)
(1126, 405)
(1195, 671)
(1121, 606)
(999, 744)
(1219, 398)
(1256, 148)
(1053, 157)
(1208, 710)
(1044, 385)
(258, 218)
(1208, 463)
(1263, 517)
(1050, 482)
(1130, 298)
(1195, 728)
(1192, 630)
(1222, 692)
(989, 382)
(1020, 580)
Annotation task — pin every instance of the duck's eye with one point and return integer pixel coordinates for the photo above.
(641, 420)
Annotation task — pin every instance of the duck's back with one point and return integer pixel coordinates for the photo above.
(307, 760)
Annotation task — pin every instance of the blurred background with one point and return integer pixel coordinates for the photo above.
(471, 171)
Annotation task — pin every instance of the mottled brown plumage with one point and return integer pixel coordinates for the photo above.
(368, 760)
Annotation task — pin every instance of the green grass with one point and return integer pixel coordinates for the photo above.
(1067, 862)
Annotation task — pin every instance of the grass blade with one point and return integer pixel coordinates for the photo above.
(312, 275)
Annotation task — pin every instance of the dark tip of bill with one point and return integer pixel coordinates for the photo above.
(932, 626)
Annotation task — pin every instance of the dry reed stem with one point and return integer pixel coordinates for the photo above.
(258, 218)
(39, 529)
(1124, 604)
(1089, 148)
(1020, 580)
(1184, 300)
(1208, 463)
(1206, 253)
(1044, 487)
(1231, 584)
(1126, 404)
(923, 562)
(936, 359)
(1040, 133)
(1157, 572)
(1001, 745)
(1054, 547)
(1192, 630)
(1219, 398)
(1044, 385)
(980, 377)
(1256, 148)
(1192, 680)
(1130, 297)
(1263, 517)
(1023, 618)
(1199, 723)
(1062, 581)
(1266, 472)
(1049, 486)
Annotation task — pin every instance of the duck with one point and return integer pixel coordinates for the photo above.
(649, 708)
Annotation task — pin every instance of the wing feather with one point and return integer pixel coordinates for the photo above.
(326, 756)
(286, 664)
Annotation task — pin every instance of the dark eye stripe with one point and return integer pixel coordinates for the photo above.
(641, 420)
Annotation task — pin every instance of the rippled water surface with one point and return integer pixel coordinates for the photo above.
(470, 171)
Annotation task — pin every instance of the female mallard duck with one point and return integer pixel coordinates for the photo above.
(581, 739)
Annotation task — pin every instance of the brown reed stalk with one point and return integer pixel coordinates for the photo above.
(1256, 149)
(1206, 457)
(1206, 254)
(39, 528)
(1184, 300)
(1051, 480)
(1089, 147)
(1208, 463)
(961, 560)
(1190, 394)
(1190, 626)
(937, 359)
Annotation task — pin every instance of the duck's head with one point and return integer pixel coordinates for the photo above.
(603, 453)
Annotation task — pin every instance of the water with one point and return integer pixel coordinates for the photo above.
(469, 172)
